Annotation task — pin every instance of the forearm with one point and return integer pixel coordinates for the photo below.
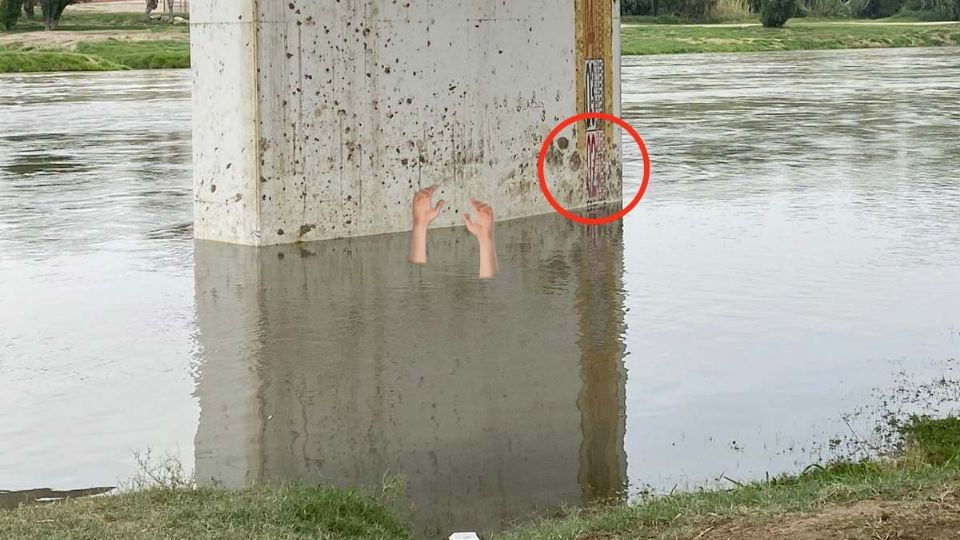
(418, 244)
(488, 258)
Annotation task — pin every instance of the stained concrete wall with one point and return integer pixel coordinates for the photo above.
(318, 119)
(331, 363)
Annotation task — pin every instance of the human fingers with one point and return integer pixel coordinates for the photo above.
(439, 206)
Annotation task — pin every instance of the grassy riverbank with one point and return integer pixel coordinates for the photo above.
(797, 35)
(110, 41)
(911, 496)
(108, 55)
(95, 42)
(175, 513)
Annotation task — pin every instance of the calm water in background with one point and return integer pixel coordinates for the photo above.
(798, 252)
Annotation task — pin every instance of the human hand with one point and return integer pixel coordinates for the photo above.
(482, 225)
(424, 212)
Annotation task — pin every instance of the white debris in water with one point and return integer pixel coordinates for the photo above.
(464, 536)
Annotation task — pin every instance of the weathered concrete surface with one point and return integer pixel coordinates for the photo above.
(318, 119)
(330, 363)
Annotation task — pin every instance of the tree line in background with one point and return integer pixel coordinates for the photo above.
(718, 10)
(771, 12)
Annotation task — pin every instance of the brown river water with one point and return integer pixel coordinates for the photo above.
(796, 257)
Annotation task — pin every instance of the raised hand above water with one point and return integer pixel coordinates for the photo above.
(424, 212)
(482, 226)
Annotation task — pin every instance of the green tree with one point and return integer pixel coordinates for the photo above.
(10, 13)
(688, 9)
(776, 13)
(52, 11)
(933, 10)
(877, 9)
(639, 7)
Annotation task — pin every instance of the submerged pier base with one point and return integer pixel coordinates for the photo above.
(318, 119)
(330, 364)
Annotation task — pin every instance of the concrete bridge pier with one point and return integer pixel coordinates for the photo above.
(317, 119)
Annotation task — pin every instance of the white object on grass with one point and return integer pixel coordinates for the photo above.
(464, 536)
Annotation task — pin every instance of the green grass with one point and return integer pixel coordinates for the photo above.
(171, 49)
(935, 441)
(927, 468)
(83, 21)
(14, 61)
(141, 54)
(797, 35)
(98, 56)
(754, 19)
(684, 514)
(171, 513)
(168, 47)
(674, 19)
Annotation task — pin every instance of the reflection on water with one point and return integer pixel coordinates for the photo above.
(797, 249)
(331, 362)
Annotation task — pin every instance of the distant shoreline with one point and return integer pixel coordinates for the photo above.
(799, 34)
(92, 40)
